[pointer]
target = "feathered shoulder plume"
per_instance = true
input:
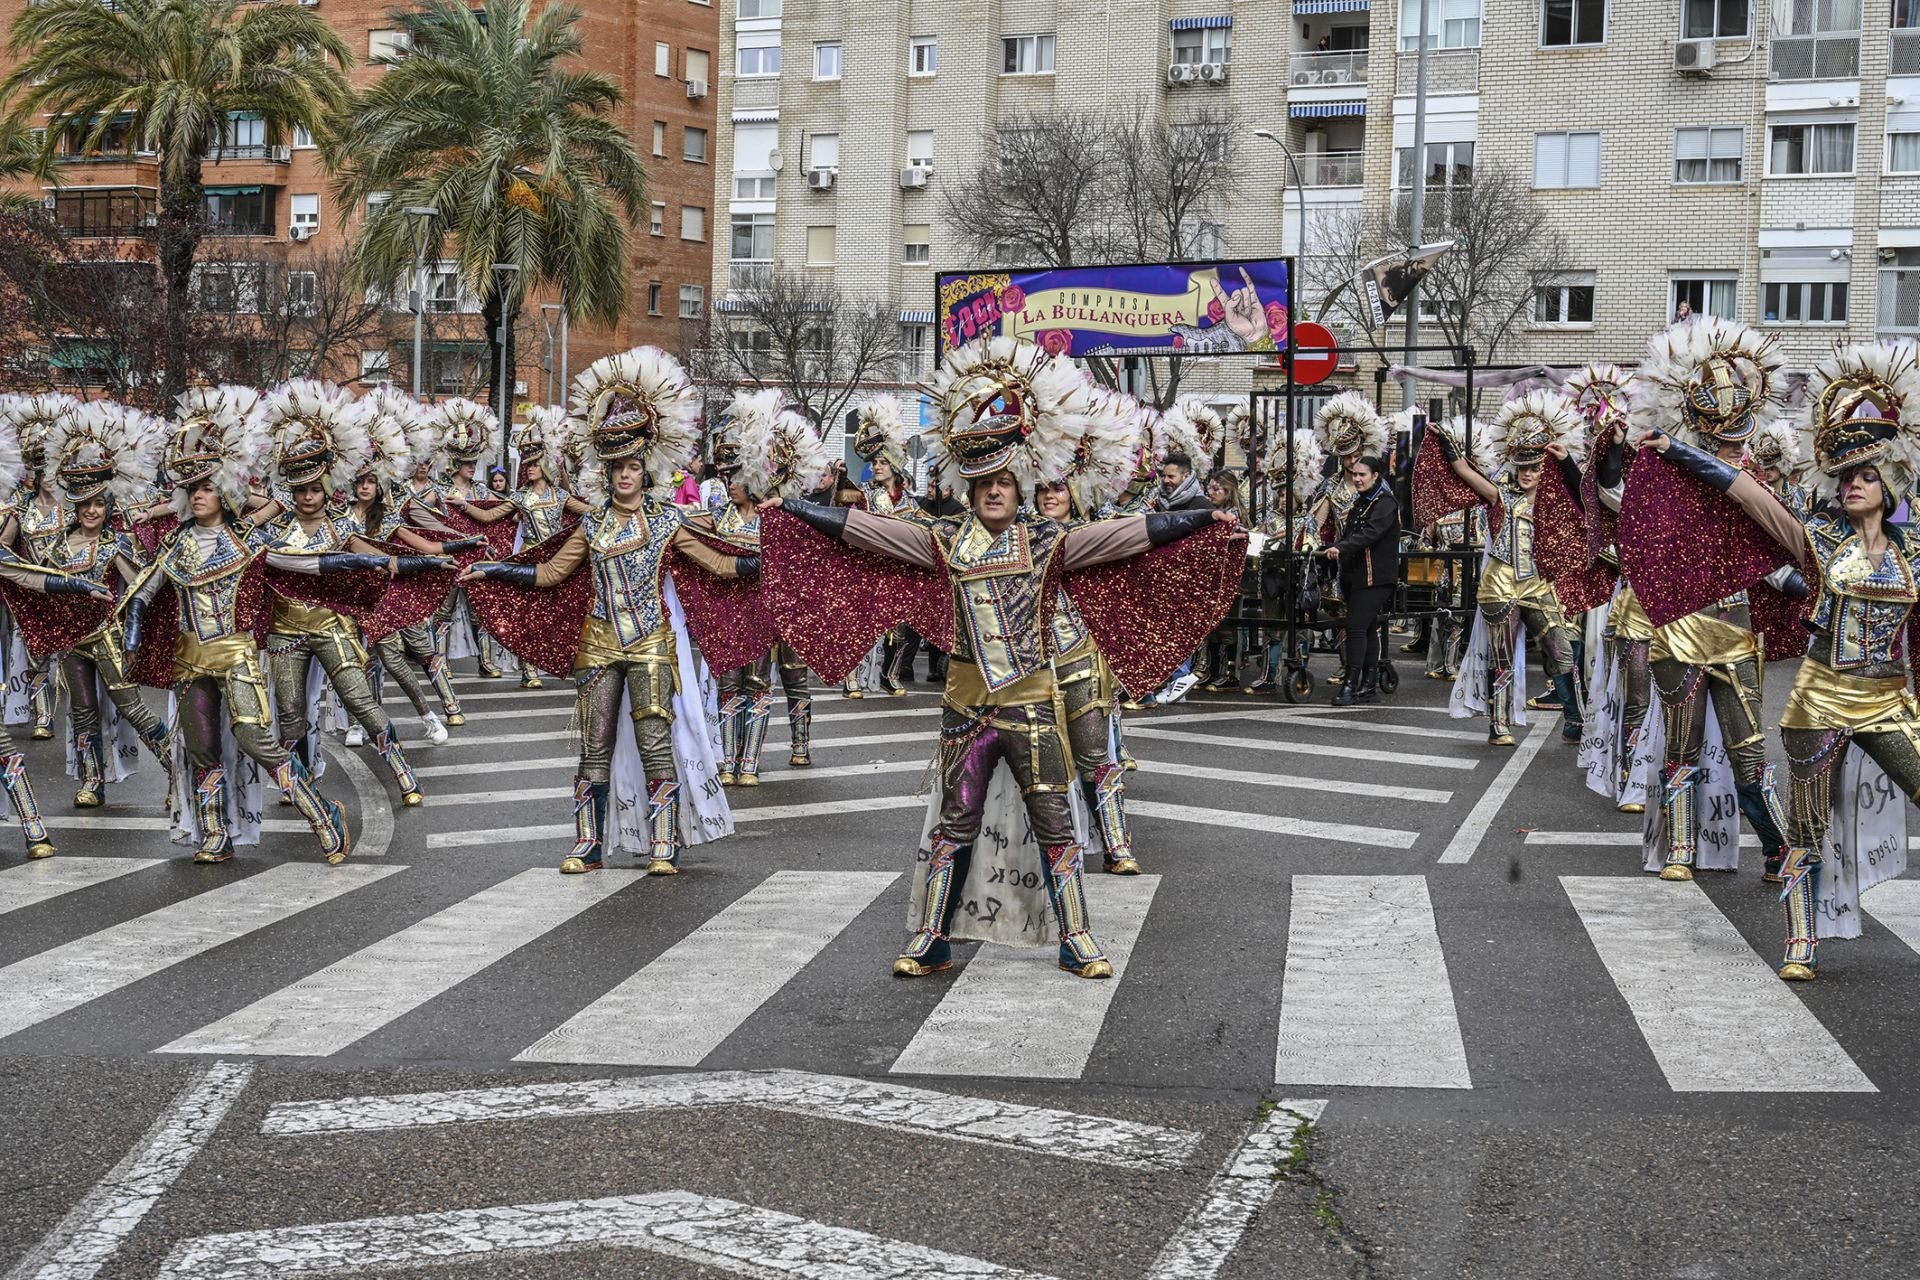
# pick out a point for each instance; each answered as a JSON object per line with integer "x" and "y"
{"x": 1864, "y": 406}
{"x": 637, "y": 404}
{"x": 318, "y": 431}
{"x": 781, "y": 455}
{"x": 1004, "y": 404}
{"x": 1348, "y": 424}
{"x": 1484, "y": 455}
{"x": 1528, "y": 423}
{"x": 879, "y": 434}
{"x": 218, "y": 437}
{"x": 393, "y": 421}
{"x": 1707, "y": 380}
{"x": 1107, "y": 450}
{"x": 1240, "y": 426}
{"x": 1601, "y": 393}
{"x": 13, "y": 466}
{"x": 466, "y": 431}
{"x": 104, "y": 447}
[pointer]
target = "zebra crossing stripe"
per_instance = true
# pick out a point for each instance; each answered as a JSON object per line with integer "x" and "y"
{"x": 115, "y": 822}
{"x": 569, "y": 763}
{"x": 760, "y": 813}
{"x": 1712, "y": 1011}
{"x": 1365, "y": 998}
{"x": 329, "y": 1010}
{"x": 1235, "y": 1197}
{"x": 1293, "y": 782}
{"x": 1294, "y": 719}
{"x": 466, "y": 739}
{"x": 1632, "y": 839}
{"x": 1896, "y": 904}
{"x": 1012, "y": 1012}
{"x": 1378, "y": 837}
{"x": 703, "y": 1230}
{"x": 678, "y": 1009}
{"x": 52, "y": 982}
{"x": 1471, "y": 832}
{"x": 36, "y": 882}
{"x": 880, "y": 1104}
{"x": 767, "y": 778}
{"x": 1317, "y": 750}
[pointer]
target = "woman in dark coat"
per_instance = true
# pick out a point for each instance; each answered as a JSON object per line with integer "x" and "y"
{"x": 1368, "y": 550}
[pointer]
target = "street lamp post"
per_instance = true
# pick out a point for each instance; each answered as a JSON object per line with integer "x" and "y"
{"x": 1299, "y": 183}
{"x": 503, "y": 273}
{"x": 419, "y": 230}
{"x": 1293, "y": 283}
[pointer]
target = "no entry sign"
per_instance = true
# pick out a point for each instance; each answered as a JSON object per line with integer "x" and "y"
{"x": 1315, "y": 353}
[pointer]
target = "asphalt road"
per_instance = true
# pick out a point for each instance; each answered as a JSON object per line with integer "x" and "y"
{"x": 1497, "y": 1048}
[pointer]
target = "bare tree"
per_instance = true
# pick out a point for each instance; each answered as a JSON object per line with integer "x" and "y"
{"x": 800, "y": 333}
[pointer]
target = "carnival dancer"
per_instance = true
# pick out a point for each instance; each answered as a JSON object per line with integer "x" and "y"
{"x": 768, "y": 451}
{"x": 641, "y": 416}
{"x": 466, "y": 431}
{"x": 319, "y": 443}
{"x": 33, "y": 524}
{"x": 1514, "y": 594}
{"x": 1291, "y": 531}
{"x": 880, "y": 440}
{"x": 1006, "y": 419}
{"x": 208, "y": 580}
{"x": 1710, "y": 384}
{"x": 1349, "y": 427}
{"x": 1774, "y": 459}
{"x": 1851, "y": 696}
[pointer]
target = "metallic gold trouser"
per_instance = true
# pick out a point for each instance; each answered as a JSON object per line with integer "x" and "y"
{"x": 1546, "y": 627}
{"x": 393, "y": 652}
{"x": 98, "y": 654}
{"x": 1086, "y": 691}
{"x": 1636, "y": 686}
{"x": 345, "y": 663}
{"x": 1732, "y": 691}
{"x": 650, "y": 687}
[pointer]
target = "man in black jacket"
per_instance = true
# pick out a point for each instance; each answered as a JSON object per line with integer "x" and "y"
{"x": 1369, "y": 554}
{"x": 1179, "y": 491}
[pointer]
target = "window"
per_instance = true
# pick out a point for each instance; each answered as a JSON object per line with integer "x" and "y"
{"x": 1903, "y": 153}
{"x": 239, "y": 211}
{"x": 821, "y": 245}
{"x": 1906, "y": 14}
{"x": 916, "y": 246}
{"x": 826, "y": 61}
{"x": 916, "y": 350}
{"x": 216, "y": 288}
{"x": 662, "y": 59}
{"x": 760, "y": 8}
{"x": 1566, "y": 299}
{"x": 1714, "y": 19}
{"x": 923, "y": 54}
{"x": 1451, "y": 24}
{"x": 660, "y": 137}
{"x": 1800, "y": 150}
{"x": 699, "y": 66}
{"x": 1201, "y": 239}
{"x": 378, "y": 200}
{"x": 1803, "y": 302}
{"x": 920, "y": 148}
{"x": 693, "y": 297}
{"x": 302, "y": 138}
{"x": 764, "y": 61}
{"x": 1027, "y": 55}
{"x": 388, "y": 44}
{"x": 1705, "y": 295}
{"x": 1564, "y": 23}
{"x": 374, "y": 365}
{"x": 456, "y": 368}
{"x": 244, "y": 134}
{"x": 657, "y": 221}
{"x": 444, "y": 294}
{"x": 823, "y": 151}
{"x": 1566, "y": 160}
{"x": 693, "y": 145}
{"x": 752, "y": 238}
{"x": 303, "y": 293}
{"x": 1900, "y": 293}
{"x": 1449, "y": 164}
{"x": 1815, "y": 40}
{"x": 304, "y": 211}
{"x": 760, "y": 188}
{"x": 693, "y": 222}
{"x": 1214, "y": 44}
{"x": 1709, "y": 155}
{"x": 653, "y": 297}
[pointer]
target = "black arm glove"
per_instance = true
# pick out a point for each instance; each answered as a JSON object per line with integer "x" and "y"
{"x": 462, "y": 544}
{"x": 1171, "y": 526}
{"x": 1789, "y": 582}
{"x": 418, "y": 564}
{"x": 520, "y": 575}
{"x": 1613, "y": 465}
{"x": 831, "y": 521}
{"x": 343, "y": 561}
{"x": 747, "y": 567}
{"x": 136, "y": 612}
{"x": 1705, "y": 466}
{"x": 68, "y": 586}
{"x": 1570, "y": 472}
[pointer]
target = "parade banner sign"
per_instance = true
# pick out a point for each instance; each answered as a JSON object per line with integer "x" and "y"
{"x": 1169, "y": 308}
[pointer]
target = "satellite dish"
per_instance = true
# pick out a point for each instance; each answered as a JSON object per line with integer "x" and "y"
{"x": 775, "y": 160}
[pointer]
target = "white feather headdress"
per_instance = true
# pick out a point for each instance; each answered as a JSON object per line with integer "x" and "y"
{"x": 781, "y": 455}
{"x": 1678, "y": 371}
{"x": 1348, "y": 424}
{"x": 1601, "y": 393}
{"x": 396, "y": 433}
{"x": 34, "y": 418}
{"x": 465, "y": 431}
{"x": 1239, "y": 426}
{"x": 542, "y": 421}
{"x": 879, "y": 434}
{"x": 1308, "y": 461}
{"x": 565, "y": 450}
{"x": 13, "y": 466}
{"x": 1864, "y": 405}
{"x": 1107, "y": 451}
{"x": 1484, "y": 455}
{"x": 1003, "y": 404}
{"x": 1192, "y": 428}
{"x": 1527, "y": 424}
{"x": 636, "y": 404}
{"x": 219, "y": 436}
{"x": 318, "y": 431}
{"x": 105, "y": 446}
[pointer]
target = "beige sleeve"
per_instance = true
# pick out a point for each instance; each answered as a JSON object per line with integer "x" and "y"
{"x": 1775, "y": 520}
{"x": 718, "y": 563}
{"x": 1104, "y": 541}
{"x": 571, "y": 555}
{"x": 891, "y": 537}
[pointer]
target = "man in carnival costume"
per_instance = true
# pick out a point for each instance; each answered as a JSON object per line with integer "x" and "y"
{"x": 34, "y": 521}
{"x": 766, "y": 451}
{"x": 1290, "y": 528}
{"x": 466, "y": 431}
{"x": 320, "y": 441}
{"x": 1710, "y": 384}
{"x": 618, "y": 626}
{"x": 1349, "y": 427}
{"x": 207, "y": 589}
{"x": 1008, "y": 416}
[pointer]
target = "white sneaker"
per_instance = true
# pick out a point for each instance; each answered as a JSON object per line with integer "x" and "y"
{"x": 1178, "y": 689}
{"x": 436, "y": 732}
{"x": 356, "y": 736}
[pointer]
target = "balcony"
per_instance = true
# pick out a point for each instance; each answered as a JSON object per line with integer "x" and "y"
{"x": 251, "y": 151}
{"x": 106, "y": 213}
{"x": 758, "y": 93}
{"x": 1448, "y": 71}
{"x": 1321, "y": 70}
{"x": 238, "y": 228}
{"x": 1833, "y": 56}
{"x": 1334, "y": 169}
{"x": 1903, "y": 52}
{"x": 749, "y": 275}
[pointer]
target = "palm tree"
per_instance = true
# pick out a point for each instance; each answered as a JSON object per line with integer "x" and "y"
{"x": 176, "y": 72}
{"x": 520, "y": 155}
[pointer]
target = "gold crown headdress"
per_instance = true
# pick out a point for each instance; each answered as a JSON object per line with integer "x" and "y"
{"x": 879, "y": 435}
{"x": 1194, "y": 429}
{"x": 104, "y": 447}
{"x": 1001, "y": 404}
{"x": 1864, "y": 405}
{"x": 781, "y": 455}
{"x": 1107, "y": 450}
{"x": 1348, "y": 425}
{"x": 1706, "y": 383}
{"x": 396, "y": 433}
{"x": 636, "y": 404}
{"x": 1601, "y": 393}
{"x": 218, "y": 436}
{"x": 466, "y": 431}
{"x": 318, "y": 431}
{"x": 1528, "y": 423}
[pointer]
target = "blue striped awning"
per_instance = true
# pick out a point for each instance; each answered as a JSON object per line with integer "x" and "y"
{"x": 755, "y": 117}
{"x": 730, "y": 304}
{"x": 916, "y": 317}
{"x": 1331, "y": 6}
{"x": 1199, "y": 24}
{"x": 1322, "y": 110}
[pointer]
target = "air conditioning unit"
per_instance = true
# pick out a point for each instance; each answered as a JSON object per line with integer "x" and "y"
{"x": 696, "y": 88}
{"x": 820, "y": 179}
{"x": 311, "y": 4}
{"x": 1181, "y": 73}
{"x": 1214, "y": 72}
{"x": 1305, "y": 77}
{"x": 1693, "y": 56}
{"x": 301, "y": 232}
{"x": 283, "y": 155}
{"x": 912, "y": 178}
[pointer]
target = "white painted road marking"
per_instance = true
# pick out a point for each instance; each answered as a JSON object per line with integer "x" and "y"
{"x": 1012, "y": 1012}
{"x": 1365, "y": 999}
{"x": 36, "y": 882}
{"x": 677, "y": 1010}
{"x": 1296, "y": 719}
{"x": 1293, "y": 782}
{"x": 114, "y": 822}
{"x": 878, "y": 1104}
{"x": 1896, "y": 904}
{"x": 1347, "y": 833}
{"x": 92, "y": 1232}
{"x": 1474, "y": 829}
{"x": 1631, "y": 839}
{"x": 759, "y": 813}
{"x": 1713, "y": 1012}
{"x": 767, "y": 778}
{"x": 1406, "y": 759}
{"x": 50, "y": 983}
{"x": 723, "y": 1234}
{"x": 1235, "y": 1196}
{"x": 352, "y": 998}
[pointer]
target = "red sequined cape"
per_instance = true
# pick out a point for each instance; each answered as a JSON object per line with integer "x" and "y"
{"x": 49, "y": 624}
{"x": 1561, "y": 546}
{"x": 1437, "y": 491}
{"x": 1685, "y": 544}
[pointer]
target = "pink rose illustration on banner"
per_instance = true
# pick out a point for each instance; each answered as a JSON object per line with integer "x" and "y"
{"x": 1216, "y": 312}
{"x": 1056, "y": 342}
{"x": 1012, "y": 300}
{"x": 1277, "y": 321}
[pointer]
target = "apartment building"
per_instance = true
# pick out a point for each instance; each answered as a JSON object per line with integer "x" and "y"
{"x": 270, "y": 208}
